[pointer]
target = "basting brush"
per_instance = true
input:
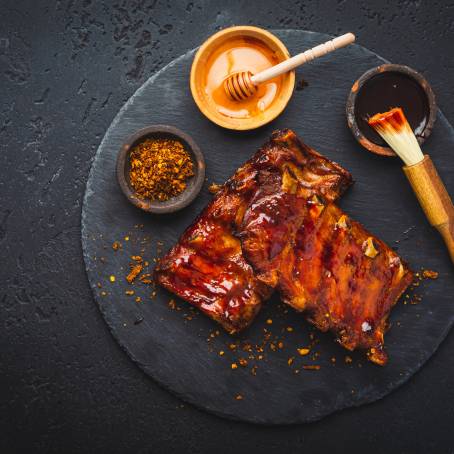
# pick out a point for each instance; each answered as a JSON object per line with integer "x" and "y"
{"x": 393, "y": 127}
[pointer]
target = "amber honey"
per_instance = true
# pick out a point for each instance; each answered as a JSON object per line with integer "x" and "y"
{"x": 235, "y": 55}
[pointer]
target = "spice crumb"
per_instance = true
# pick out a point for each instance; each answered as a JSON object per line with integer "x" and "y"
{"x": 269, "y": 322}
{"x": 116, "y": 245}
{"x": 243, "y": 362}
{"x": 112, "y": 278}
{"x": 239, "y": 397}
{"x": 311, "y": 367}
{"x": 135, "y": 271}
{"x": 221, "y": 353}
{"x": 289, "y": 329}
{"x": 138, "y": 299}
{"x": 290, "y": 360}
{"x": 430, "y": 274}
{"x": 213, "y": 188}
{"x": 303, "y": 351}
{"x": 234, "y": 366}
{"x": 129, "y": 292}
{"x": 348, "y": 359}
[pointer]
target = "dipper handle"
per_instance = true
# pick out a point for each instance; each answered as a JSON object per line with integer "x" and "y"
{"x": 433, "y": 198}
{"x": 304, "y": 57}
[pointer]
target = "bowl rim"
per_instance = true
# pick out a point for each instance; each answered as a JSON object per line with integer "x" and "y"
{"x": 175, "y": 203}
{"x": 356, "y": 88}
{"x": 286, "y": 90}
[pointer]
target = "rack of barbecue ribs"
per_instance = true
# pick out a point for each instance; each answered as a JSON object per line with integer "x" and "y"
{"x": 274, "y": 225}
{"x": 343, "y": 278}
{"x": 207, "y": 267}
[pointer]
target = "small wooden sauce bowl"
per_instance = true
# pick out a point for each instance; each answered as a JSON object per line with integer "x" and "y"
{"x": 198, "y": 74}
{"x": 193, "y": 184}
{"x": 383, "y": 88}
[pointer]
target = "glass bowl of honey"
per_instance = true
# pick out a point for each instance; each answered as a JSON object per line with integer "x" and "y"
{"x": 232, "y": 50}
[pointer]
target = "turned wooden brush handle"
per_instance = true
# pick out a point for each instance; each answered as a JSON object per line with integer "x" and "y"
{"x": 304, "y": 57}
{"x": 434, "y": 199}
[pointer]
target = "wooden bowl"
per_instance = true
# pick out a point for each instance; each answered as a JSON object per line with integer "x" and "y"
{"x": 198, "y": 76}
{"x": 355, "y": 93}
{"x": 194, "y": 184}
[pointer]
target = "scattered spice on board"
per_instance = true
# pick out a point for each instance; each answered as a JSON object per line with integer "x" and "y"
{"x": 159, "y": 169}
{"x": 146, "y": 278}
{"x": 135, "y": 271}
{"x": 214, "y": 187}
{"x": 429, "y": 274}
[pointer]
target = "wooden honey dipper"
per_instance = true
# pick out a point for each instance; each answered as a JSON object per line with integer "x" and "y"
{"x": 241, "y": 85}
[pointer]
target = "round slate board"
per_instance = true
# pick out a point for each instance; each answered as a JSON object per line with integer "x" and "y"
{"x": 174, "y": 350}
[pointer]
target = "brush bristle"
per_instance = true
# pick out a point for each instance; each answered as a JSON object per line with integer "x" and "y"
{"x": 393, "y": 127}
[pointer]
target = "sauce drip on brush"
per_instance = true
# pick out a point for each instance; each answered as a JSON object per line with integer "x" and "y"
{"x": 432, "y": 195}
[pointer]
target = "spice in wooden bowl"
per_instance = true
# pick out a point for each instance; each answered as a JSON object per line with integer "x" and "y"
{"x": 159, "y": 168}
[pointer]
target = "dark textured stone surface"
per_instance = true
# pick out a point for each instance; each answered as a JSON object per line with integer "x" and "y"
{"x": 173, "y": 351}
{"x": 66, "y": 69}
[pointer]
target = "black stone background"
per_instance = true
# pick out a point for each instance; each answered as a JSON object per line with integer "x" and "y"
{"x": 66, "y": 67}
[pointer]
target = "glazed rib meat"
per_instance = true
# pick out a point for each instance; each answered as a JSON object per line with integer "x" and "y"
{"x": 344, "y": 279}
{"x": 323, "y": 263}
{"x": 207, "y": 267}
{"x": 278, "y": 206}
{"x": 274, "y": 225}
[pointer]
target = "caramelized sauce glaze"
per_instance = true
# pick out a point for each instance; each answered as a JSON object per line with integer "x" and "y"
{"x": 274, "y": 225}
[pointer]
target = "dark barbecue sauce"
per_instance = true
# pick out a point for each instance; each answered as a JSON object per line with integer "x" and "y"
{"x": 385, "y": 91}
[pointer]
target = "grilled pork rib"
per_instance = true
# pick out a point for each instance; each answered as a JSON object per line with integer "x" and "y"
{"x": 207, "y": 267}
{"x": 274, "y": 225}
{"x": 344, "y": 279}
